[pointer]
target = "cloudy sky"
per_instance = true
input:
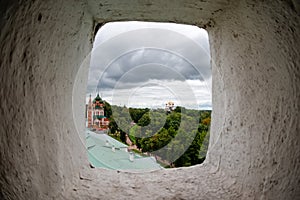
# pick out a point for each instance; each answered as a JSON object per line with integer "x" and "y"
{"x": 145, "y": 64}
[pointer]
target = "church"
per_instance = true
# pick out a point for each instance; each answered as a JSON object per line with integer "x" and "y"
{"x": 95, "y": 114}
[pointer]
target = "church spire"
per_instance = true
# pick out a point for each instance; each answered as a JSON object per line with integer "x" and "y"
{"x": 90, "y": 101}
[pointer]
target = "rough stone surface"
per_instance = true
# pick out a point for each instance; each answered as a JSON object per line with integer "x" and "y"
{"x": 254, "y": 147}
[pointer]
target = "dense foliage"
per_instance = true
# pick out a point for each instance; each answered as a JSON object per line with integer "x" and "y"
{"x": 179, "y": 138}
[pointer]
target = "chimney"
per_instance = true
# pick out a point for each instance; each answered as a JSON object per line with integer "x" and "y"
{"x": 131, "y": 156}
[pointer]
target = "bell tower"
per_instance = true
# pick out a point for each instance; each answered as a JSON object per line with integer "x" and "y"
{"x": 90, "y": 113}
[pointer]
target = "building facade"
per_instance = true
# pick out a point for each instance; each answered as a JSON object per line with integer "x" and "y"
{"x": 169, "y": 107}
{"x": 96, "y": 119}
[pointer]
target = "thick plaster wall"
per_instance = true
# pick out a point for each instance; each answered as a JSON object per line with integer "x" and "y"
{"x": 253, "y": 152}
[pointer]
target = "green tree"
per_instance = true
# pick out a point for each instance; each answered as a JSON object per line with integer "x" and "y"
{"x": 137, "y": 113}
{"x": 155, "y": 130}
{"x": 107, "y": 109}
{"x": 144, "y": 120}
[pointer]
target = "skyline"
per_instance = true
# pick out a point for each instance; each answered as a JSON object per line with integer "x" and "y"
{"x": 145, "y": 64}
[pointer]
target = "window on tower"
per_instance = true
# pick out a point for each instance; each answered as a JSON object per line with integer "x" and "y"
{"x": 148, "y": 96}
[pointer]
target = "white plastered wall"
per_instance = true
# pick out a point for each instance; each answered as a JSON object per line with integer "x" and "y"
{"x": 254, "y": 144}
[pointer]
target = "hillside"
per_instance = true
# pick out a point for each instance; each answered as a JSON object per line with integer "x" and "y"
{"x": 179, "y": 138}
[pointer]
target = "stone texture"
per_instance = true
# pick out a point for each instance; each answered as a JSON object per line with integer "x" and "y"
{"x": 254, "y": 146}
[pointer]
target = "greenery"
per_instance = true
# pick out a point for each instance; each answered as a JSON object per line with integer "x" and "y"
{"x": 181, "y": 138}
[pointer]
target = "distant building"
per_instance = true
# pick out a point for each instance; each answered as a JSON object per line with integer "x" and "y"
{"x": 95, "y": 114}
{"x": 169, "y": 107}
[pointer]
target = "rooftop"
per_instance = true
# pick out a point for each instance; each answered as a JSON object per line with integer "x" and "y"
{"x": 101, "y": 154}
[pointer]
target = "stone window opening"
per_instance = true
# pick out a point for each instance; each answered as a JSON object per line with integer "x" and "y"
{"x": 186, "y": 81}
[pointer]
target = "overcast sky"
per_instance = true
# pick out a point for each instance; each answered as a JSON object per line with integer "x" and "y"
{"x": 144, "y": 64}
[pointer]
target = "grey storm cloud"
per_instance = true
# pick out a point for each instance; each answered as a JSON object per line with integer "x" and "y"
{"x": 139, "y": 66}
{"x": 174, "y": 59}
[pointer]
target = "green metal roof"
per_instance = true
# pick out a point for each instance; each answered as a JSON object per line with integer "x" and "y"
{"x": 100, "y": 139}
{"x": 98, "y": 98}
{"x": 99, "y": 116}
{"x": 100, "y": 154}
